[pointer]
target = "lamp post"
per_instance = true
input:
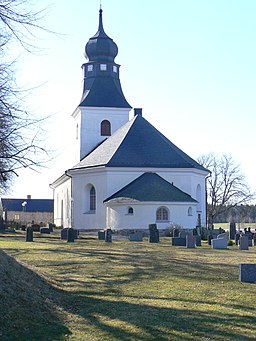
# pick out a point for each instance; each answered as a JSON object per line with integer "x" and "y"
{"x": 24, "y": 204}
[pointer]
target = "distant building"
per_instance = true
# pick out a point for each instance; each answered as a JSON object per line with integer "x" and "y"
{"x": 26, "y": 211}
{"x": 126, "y": 174}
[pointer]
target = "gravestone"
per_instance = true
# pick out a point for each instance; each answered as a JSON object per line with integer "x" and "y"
{"x": 237, "y": 238}
{"x": 247, "y": 273}
{"x": 198, "y": 241}
{"x": 219, "y": 243}
{"x": 29, "y": 234}
{"x": 177, "y": 241}
{"x": 209, "y": 239}
{"x": 45, "y": 230}
{"x": 153, "y": 233}
{"x": 101, "y": 235}
{"x": 190, "y": 241}
{"x": 223, "y": 236}
{"x": 50, "y": 226}
{"x": 64, "y": 234}
{"x": 244, "y": 243}
{"x": 108, "y": 236}
{"x": 70, "y": 235}
{"x": 136, "y": 236}
{"x": 232, "y": 231}
{"x": 35, "y": 227}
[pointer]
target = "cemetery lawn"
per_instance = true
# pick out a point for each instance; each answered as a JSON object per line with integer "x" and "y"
{"x": 92, "y": 290}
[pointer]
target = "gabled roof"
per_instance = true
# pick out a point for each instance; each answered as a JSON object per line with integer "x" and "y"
{"x": 33, "y": 205}
{"x": 151, "y": 187}
{"x": 138, "y": 144}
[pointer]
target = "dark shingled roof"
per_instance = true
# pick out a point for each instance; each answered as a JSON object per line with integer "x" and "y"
{"x": 104, "y": 92}
{"x": 151, "y": 187}
{"x": 138, "y": 144}
{"x": 33, "y": 205}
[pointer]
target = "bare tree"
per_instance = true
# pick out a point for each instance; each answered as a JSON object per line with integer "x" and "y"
{"x": 226, "y": 186}
{"x": 18, "y": 129}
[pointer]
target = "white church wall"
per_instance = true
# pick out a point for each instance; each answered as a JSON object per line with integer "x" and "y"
{"x": 62, "y": 204}
{"x": 84, "y": 218}
{"x": 87, "y": 125}
{"x": 108, "y": 181}
{"x": 144, "y": 214}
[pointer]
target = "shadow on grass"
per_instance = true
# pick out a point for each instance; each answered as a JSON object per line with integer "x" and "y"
{"x": 29, "y": 305}
{"x": 109, "y": 313}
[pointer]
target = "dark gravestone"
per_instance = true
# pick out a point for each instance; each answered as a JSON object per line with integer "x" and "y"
{"x": 177, "y": 241}
{"x": 247, "y": 273}
{"x": 153, "y": 233}
{"x": 183, "y": 234}
{"x": 136, "y": 236}
{"x": 237, "y": 238}
{"x": 232, "y": 231}
{"x": 50, "y": 226}
{"x": 45, "y": 230}
{"x": 36, "y": 227}
{"x": 23, "y": 227}
{"x": 244, "y": 243}
{"x": 64, "y": 234}
{"x": 70, "y": 235}
{"x": 209, "y": 238}
{"x": 29, "y": 234}
{"x": 190, "y": 241}
{"x": 101, "y": 235}
{"x": 108, "y": 236}
{"x": 198, "y": 241}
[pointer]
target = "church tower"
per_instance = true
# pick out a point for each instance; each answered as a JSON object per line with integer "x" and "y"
{"x": 103, "y": 108}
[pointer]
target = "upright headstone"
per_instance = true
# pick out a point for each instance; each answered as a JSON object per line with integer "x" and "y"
{"x": 244, "y": 243}
{"x": 29, "y": 234}
{"x": 237, "y": 237}
{"x": 101, "y": 235}
{"x": 190, "y": 241}
{"x": 136, "y": 236}
{"x": 153, "y": 233}
{"x": 198, "y": 241}
{"x": 70, "y": 235}
{"x": 64, "y": 234}
{"x": 209, "y": 238}
{"x": 175, "y": 232}
{"x": 232, "y": 231}
{"x": 247, "y": 273}
{"x": 108, "y": 236}
{"x": 177, "y": 241}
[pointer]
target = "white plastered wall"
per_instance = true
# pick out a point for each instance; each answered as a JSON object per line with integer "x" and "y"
{"x": 144, "y": 213}
{"x": 87, "y": 125}
{"x": 63, "y": 203}
{"x": 107, "y": 181}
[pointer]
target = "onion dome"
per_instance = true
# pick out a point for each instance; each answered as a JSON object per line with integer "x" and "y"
{"x": 101, "y": 48}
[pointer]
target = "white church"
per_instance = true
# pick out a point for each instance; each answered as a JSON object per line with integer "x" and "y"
{"x": 126, "y": 174}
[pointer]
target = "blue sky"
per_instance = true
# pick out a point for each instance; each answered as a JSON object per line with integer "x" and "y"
{"x": 190, "y": 64}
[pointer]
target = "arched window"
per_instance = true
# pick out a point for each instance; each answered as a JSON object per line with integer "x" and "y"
{"x": 105, "y": 128}
{"x": 92, "y": 199}
{"x": 190, "y": 211}
{"x": 130, "y": 210}
{"x": 162, "y": 214}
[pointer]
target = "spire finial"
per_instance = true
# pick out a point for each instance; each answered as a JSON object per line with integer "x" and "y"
{"x": 100, "y": 5}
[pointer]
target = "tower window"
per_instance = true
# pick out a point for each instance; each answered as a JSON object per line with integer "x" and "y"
{"x": 105, "y": 128}
{"x": 114, "y": 68}
{"x": 103, "y": 67}
{"x": 89, "y": 67}
{"x": 162, "y": 214}
{"x": 190, "y": 211}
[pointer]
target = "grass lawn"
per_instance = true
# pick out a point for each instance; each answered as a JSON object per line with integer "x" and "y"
{"x": 92, "y": 290}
